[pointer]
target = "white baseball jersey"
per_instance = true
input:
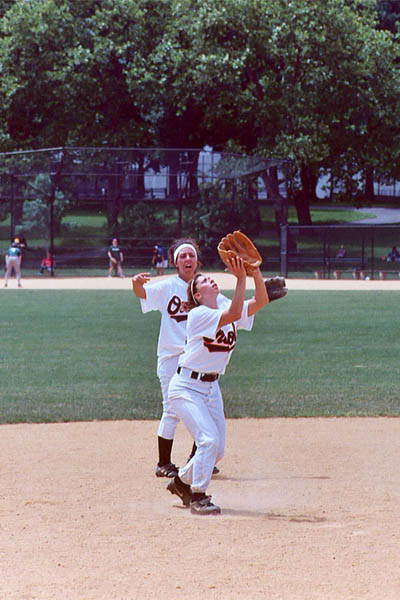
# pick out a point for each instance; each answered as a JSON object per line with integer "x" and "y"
{"x": 208, "y": 350}
{"x": 167, "y": 296}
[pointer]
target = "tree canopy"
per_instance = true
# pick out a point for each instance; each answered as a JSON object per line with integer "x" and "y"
{"x": 315, "y": 82}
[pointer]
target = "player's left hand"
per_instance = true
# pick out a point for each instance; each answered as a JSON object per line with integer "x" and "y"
{"x": 276, "y": 288}
{"x": 236, "y": 266}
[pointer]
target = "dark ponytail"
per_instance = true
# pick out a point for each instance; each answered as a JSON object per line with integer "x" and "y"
{"x": 191, "y": 301}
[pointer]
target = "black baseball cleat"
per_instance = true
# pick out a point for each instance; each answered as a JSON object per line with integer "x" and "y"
{"x": 177, "y": 487}
{"x": 168, "y": 470}
{"x": 204, "y": 506}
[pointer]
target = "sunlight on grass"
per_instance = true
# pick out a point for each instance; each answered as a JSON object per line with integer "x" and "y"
{"x": 319, "y": 216}
{"x": 309, "y": 354}
{"x": 86, "y": 220}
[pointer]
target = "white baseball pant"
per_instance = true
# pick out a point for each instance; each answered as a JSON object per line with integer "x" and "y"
{"x": 166, "y": 368}
{"x": 13, "y": 263}
{"x": 200, "y": 407}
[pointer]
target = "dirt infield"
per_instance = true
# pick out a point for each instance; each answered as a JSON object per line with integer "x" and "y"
{"x": 224, "y": 280}
{"x": 309, "y": 510}
{"x": 309, "y": 507}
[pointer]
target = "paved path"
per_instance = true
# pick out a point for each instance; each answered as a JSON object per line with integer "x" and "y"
{"x": 383, "y": 216}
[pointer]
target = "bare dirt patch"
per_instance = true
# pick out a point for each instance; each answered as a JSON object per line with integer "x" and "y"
{"x": 224, "y": 280}
{"x": 309, "y": 510}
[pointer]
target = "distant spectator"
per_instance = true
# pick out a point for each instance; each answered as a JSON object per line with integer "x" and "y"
{"x": 159, "y": 260}
{"x": 116, "y": 257}
{"x": 392, "y": 256}
{"x": 13, "y": 262}
{"x": 154, "y": 256}
{"x": 45, "y": 265}
{"x": 341, "y": 253}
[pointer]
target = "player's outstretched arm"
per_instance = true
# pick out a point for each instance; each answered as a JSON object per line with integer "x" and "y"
{"x": 234, "y": 312}
{"x": 260, "y": 297}
{"x": 138, "y": 282}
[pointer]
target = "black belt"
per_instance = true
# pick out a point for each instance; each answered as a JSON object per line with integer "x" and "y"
{"x": 201, "y": 376}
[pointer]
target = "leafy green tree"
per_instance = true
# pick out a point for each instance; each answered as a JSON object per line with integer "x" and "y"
{"x": 36, "y": 210}
{"x": 141, "y": 220}
{"x": 219, "y": 207}
{"x": 315, "y": 82}
{"x": 63, "y": 74}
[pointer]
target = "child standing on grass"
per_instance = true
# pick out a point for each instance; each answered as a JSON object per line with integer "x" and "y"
{"x": 194, "y": 392}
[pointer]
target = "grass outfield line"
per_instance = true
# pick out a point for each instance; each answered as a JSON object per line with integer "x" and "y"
{"x": 84, "y": 355}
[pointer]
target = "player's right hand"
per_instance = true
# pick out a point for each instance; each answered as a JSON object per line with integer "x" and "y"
{"x": 141, "y": 278}
{"x": 138, "y": 282}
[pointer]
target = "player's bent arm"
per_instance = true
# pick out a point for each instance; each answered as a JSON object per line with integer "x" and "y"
{"x": 138, "y": 282}
{"x": 260, "y": 297}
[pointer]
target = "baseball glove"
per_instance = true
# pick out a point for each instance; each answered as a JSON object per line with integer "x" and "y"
{"x": 238, "y": 244}
{"x": 276, "y": 288}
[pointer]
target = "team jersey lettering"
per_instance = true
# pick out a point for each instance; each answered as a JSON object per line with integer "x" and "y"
{"x": 222, "y": 342}
{"x": 174, "y": 307}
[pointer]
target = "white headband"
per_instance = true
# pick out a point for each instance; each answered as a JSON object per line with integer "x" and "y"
{"x": 192, "y": 293}
{"x": 179, "y": 248}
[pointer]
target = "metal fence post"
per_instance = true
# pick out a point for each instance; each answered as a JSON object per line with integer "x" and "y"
{"x": 284, "y": 256}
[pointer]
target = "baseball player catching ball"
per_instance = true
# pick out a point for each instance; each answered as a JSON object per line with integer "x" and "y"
{"x": 167, "y": 296}
{"x": 194, "y": 392}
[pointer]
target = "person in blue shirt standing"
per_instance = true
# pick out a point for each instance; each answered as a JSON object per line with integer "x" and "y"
{"x": 159, "y": 260}
{"x": 13, "y": 261}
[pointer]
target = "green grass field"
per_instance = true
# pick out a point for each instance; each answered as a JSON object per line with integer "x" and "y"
{"x": 86, "y": 355}
{"x": 320, "y": 216}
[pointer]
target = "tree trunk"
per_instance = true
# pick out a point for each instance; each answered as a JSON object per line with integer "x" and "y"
{"x": 306, "y": 195}
{"x": 193, "y": 184}
{"x": 279, "y": 203}
{"x": 55, "y": 179}
{"x": 369, "y": 185}
{"x": 173, "y": 164}
{"x": 252, "y": 205}
{"x": 114, "y": 203}
{"x": 140, "y": 186}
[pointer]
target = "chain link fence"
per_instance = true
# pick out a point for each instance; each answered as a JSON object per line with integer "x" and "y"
{"x": 358, "y": 251}
{"x": 39, "y": 187}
